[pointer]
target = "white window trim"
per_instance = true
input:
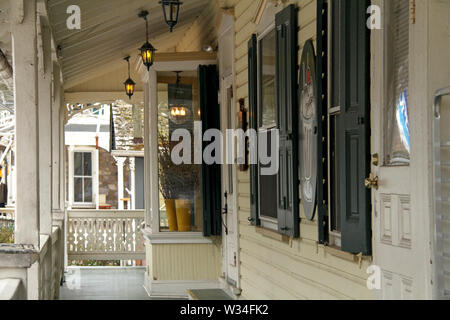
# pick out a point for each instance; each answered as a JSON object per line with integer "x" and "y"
{"x": 95, "y": 177}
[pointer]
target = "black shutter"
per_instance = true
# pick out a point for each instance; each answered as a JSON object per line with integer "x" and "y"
{"x": 286, "y": 85}
{"x": 353, "y": 128}
{"x": 211, "y": 175}
{"x": 322, "y": 96}
{"x": 253, "y": 107}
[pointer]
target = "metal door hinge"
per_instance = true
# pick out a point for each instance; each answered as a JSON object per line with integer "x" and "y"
{"x": 375, "y": 159}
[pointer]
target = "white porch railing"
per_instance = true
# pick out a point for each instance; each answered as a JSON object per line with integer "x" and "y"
{"x": 105, "y": 235}
{"x": 32, "y": 273}
{"x": 7, "y": 213}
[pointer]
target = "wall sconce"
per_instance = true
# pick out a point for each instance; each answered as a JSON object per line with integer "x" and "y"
{"x": 178, "y": 112}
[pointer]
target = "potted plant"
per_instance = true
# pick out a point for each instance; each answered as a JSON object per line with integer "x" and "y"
{"x": 177, "y": 184}
{"x": 187, "y": 175}
{"x": 167, "y": 181}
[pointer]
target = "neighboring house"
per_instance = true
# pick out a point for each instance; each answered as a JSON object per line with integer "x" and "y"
{"x": 92, "y": 170}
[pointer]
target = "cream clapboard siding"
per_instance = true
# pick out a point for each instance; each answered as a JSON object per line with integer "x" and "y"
{"x": 184, "y": 261}
{"x": 204, "y": 30}
{"x": 299, "y": 268}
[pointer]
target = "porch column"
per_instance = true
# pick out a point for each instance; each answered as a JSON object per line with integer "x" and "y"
{"x": 56, "y": 161}
{"x": 120, "y": 161}
{"x": 62, "y": 153}
{"x": 147, "y": 185}
{"x": 10, "y": 180}
{"x": 132, "y": 161}
{"x": 24, "y": 46}
{"x": 70, "y": 174}
{"x": 152, "y": 122}
{"x": 45, "y": 128}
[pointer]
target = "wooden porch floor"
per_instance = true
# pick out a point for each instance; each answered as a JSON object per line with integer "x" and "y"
{"x": 104, "y": 283}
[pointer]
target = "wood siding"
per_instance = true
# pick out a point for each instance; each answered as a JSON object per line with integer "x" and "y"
{"x": 287, "y": 268}
{"x": 204, "y": 30}
{"x": 183, "y": 261}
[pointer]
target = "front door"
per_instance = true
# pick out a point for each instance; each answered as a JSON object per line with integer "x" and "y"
{"x": 395, "y": 244}
{"x": 229, "y": 212}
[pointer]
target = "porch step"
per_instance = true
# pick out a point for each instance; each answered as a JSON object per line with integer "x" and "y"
{"x": 208, "y": 294}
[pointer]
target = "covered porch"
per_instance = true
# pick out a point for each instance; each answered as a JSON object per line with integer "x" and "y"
{"x": 51, "y": 70}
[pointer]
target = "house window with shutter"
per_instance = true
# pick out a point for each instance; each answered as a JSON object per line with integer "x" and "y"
{"x": 273, "y": 113}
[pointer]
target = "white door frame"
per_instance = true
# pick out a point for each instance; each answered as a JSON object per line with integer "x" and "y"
{"x": 227, "y": 81}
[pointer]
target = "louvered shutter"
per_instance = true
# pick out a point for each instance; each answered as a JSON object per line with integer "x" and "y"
{"x": 211, "y": 174}
{"x": 286, "y": 85}
{"x": 353, "y": 128}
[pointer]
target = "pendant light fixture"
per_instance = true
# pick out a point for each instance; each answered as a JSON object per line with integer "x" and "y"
{"x": 147, "y": 50}
{"x": 171, "y": 10}
{"x": 178, "y": 112}
{"x": 129, "y": 84}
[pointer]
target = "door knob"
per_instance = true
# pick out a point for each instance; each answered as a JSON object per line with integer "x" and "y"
{"x": 371, "y": 182}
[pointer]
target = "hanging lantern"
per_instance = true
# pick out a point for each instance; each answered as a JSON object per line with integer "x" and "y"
{"x": 129, "y": 84}
{"x": 147, "y": 50}
{"x": 178, "y": 112}
{"x": 171, "y": 9}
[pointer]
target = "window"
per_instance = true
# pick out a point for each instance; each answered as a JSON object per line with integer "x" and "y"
{"x": 82, "y": 177}
{"x": 397, "y": 141}
{"x": 267, "y": 122}
{"x": 267, "y": 80}
{"x": 180, "y": 196}
{"x": 333, "y": 111}
{"x": 273, "y": 96}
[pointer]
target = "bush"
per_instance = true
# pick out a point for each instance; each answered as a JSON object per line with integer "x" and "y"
{"x": 6, "y": 234}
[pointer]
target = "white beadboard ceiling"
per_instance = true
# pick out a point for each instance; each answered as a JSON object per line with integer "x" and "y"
{"x": 110, "y": 30}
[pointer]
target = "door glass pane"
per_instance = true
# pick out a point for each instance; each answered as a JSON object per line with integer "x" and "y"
{"x": 267, "y": 79}
{"x": 87, "y": 164}
{"x": 180, "y": 197}
{"x": 87, "y": 189}
{"x": 78, "y": 161}
{"x": 397, "y": 140}
{"x": 78, "y": 190}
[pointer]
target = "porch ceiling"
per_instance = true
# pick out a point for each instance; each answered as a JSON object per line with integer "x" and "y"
{"x": 110, "y": 30}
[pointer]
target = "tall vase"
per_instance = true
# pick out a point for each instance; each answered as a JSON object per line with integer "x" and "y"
{"x": 184, "y": 214}
{"x": 171, "y": 214}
